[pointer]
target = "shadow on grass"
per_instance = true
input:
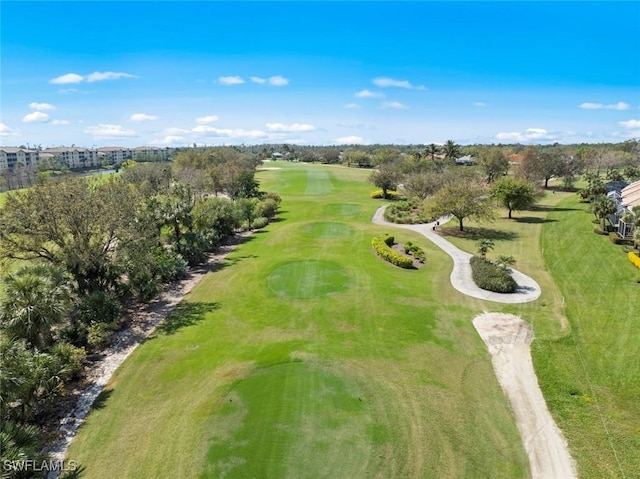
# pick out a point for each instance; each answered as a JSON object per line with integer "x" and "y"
{"x": 479, "y": 233}
{"x": 186, "y": 314}
{"x": 552, "y": 208}
{"x": 533, "y": 220}
{"x": 101, "y": 401}
{"x": 76, "y": 473}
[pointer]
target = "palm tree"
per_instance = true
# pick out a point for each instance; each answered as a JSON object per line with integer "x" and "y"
{"x": 602, "y": 207}
{"x": 433, "y": 150}
{"x": 451, "y": 150}
{"x": 36, "y": 299}
{"x": 505, "y": 262}
{"x": 484, "y": 245}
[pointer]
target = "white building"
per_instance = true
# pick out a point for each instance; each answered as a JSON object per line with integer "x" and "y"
{"x": 75, "y": 157}
{"x": 10, "y": 157}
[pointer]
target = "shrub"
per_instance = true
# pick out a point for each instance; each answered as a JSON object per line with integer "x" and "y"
{"x": 391, "y": 195}
{"x": 406, "y": 212}
{"x": 70, "y": 358}
{"x": 382, "y": 247}
{"x": 599, "y": 231}
{"x": 100, "y": 333}
{"x": 634, "y": 258}
{"x": 260, "y": 222}
{"x": 170, "y": 266}
{"x": 490, "y": 277}
{"x": 98, "y": 307}
{"x": 267, "y": 208}
{"x": 415, "y": 250}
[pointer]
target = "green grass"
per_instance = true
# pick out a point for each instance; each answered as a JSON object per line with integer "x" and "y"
{"x": 588, "y": 364}
{"x": 372, "y": 371}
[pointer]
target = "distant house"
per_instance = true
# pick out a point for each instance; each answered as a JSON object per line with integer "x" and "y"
{"x": 11, "y": 157}
{"x": 276, "y": 155}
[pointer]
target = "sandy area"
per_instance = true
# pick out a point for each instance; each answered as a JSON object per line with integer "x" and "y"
{"x": 508, "y": 339}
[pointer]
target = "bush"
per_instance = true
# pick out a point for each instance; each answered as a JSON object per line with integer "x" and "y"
{"x": 260, "y": 222}
{"x": 170, "y": 266}
{"x": 415, "y": 250}
{"x": 267, "y": 208}
{"x": 599, "y": 231}
{"x": 98, "y": 307}
{"x": 391, "y": 195}
{"x": 634, "y": 258}
{"x": 490, "y": 277}
{"x": 100, "y": 333}
{"x": 406, "y": 212}
{"x": 70, "y": 357}
{"x": 381, "y": 245}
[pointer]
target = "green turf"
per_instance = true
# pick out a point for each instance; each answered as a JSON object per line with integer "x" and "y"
{"x": 384, "y": 376}
{"x": 326, "y": 229}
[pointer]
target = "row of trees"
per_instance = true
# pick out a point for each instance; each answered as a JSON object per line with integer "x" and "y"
{"x": 79, "y": 249}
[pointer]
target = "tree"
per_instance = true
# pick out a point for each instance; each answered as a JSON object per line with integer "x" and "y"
{"x": 360, "y": 158}
{"x": 423, "y": 185}
{"x": 515, "y": 195}
{"x": 433, "y": 150}
{"x": 36, "y": 299}
{"x": 602, "y": 207}
{"x": 385, "y": 177}
{"x": 484, "y": 246}
{"x": 385, "y": 156}
{"x": 463, "y": 199}
{"x": 451, "y": 151}
{"x": 494, "y": 163}
{"x": 76, "y": 223}
{"x": 505, "y": 262}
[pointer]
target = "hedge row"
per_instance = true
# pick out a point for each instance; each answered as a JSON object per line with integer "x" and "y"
{"x": 382, "y": 246}
{"x": 488, "y": 276}
{"x": 415, "y": 250}
{"x": 378, "y": 194}
{"x": 634, "y": 258}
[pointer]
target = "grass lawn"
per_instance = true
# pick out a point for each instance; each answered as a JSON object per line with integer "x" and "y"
{"x": 307, "y": 356}
{"x": 589, "y": 371}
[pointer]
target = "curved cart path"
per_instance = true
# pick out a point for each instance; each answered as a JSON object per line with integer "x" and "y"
{"x": 508, "y": 338}
{"x": 528, "y": 289}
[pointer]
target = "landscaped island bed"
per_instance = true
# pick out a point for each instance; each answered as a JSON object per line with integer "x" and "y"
{"x": 275, "y": 368}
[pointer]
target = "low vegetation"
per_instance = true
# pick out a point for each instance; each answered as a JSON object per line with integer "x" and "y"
{"x": 406, "y": 212}
{"x": 491, "y": 276}
{"x": 382, "y": 246}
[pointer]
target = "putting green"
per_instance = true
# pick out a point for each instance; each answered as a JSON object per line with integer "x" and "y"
{"x": 307, "y": 279}
{"x": 329, "y": 229}
{"x": 288, "y": 419}
{"x": 342, "y": 209}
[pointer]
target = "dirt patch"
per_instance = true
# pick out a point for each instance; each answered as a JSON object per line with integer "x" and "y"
{"x": 508, "y": 339}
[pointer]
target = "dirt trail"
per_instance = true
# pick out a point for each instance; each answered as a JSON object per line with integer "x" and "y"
{"x": 508, "y": 339}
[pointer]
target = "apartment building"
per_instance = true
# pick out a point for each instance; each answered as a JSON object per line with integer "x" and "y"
{"x": 75, "y": 157}
{"x": 10, "y": 157}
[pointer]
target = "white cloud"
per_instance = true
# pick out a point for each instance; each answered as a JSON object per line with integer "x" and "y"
{"x": 109, "y": 131}
{"x": 278, "y": 81}
{"x": 352, "y": 105}
{"x": 142, "y": 117}
{"x": 100, "y": 76}
{"x": 6, "y": 131}
{"x": 36, "y": 116}
{"x": 293, "y": 127}
{"x": 384, "y": 82}
{"x": 203, "y": 120}
{"x": 91, "y": 77}
{"x": 529, "y": 135}
{"x": 172, "y": 131}
{"x": 368, "y": 94}
{"x": 230, "y": 80}
{"x": 601, "y": 106}
{"x": 171, "y": 139}
{"x": 68, "y": 90}
{"x": 479, "y": 104}
{"x": 396, "y": 105}
{"x": 630, "y": 124}
{"x": 41, "y": 106}
{"x": 68, "y": 78}
{"x": 349, "y": 140}
{"x": 59, "y": 122}
{"x": 258, "y": 80}
{"x": 229, "y": 133}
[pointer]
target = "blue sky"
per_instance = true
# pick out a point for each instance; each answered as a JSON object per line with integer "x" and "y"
{"x": 177, "y": 73}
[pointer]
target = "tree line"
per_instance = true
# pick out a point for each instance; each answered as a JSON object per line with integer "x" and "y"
{"x": 76, "y": 251}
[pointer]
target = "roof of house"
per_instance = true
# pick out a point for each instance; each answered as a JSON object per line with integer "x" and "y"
{"x": 12, "y": 149}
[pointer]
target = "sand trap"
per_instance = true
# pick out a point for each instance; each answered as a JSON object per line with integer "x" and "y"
{"x": 508, "y": 338}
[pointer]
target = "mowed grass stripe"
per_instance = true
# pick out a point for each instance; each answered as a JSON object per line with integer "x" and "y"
{"x": 401, "y": 341}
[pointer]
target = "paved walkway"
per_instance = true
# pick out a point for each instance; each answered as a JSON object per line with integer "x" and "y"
{"x": 528, "y": 289}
